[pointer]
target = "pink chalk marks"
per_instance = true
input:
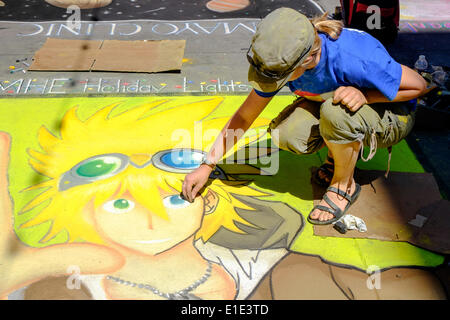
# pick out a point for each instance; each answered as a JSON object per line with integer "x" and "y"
{"x": 227, "y": 5}
{"x": 425, "y": 10}
{"x": 424, "y": 15}
{"x": 418, "y": 26}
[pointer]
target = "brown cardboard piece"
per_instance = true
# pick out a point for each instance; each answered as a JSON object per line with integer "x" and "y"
{"x": 404, "y": 207}
{"x": 140, "y": 56}
{"x": 63, "y": 55}
{"x": 109, "y": 55}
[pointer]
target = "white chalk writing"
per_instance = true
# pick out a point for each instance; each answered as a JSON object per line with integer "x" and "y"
{"x": 61, "y": 86}
{"x": 128, "y": 28}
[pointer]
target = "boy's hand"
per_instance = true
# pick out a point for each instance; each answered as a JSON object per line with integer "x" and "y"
{"x": 194, "y": 181}
{"x": 351, "y": 97}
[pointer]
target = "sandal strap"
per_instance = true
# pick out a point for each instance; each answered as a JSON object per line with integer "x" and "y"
{"x": 327, "y": 167}
{"x": 336, "y": 213}
{"x": 330, "y": 202}
{"x": 327, "y": 171}
{"x": 356, "y": 193}
{"x": 341, "y": 193}
{"x": 330, "y": 160}
{"x": 323, "y": 208}
{"x": 334, "y": 210}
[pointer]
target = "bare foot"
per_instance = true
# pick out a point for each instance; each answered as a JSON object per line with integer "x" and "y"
{"x": 227, "y": 5}
{"x": 339, "y": 200}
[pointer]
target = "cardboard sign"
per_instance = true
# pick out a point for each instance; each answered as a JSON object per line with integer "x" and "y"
{"x": 404, "y": 207}
{"x": 109, "y": 55}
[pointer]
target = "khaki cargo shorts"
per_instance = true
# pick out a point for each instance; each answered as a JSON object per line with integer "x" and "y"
{"x": 302, "y": 126}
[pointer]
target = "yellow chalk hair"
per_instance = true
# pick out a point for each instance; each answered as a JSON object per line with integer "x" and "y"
{"x": 130, "y": 132}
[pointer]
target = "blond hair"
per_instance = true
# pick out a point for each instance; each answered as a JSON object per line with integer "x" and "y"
{"x": 322, "y": 24}
{"x": 130, "y": 132}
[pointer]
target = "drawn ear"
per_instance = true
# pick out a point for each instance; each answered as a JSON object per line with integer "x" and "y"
{"x": 88, "y": 213}
{"x": 211, "y": 200}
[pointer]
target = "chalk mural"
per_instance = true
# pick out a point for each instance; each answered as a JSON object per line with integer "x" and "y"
{"x": 61, "y": 86}
{"x": 425, "y": 10}
{"x": 414, "y": 26}
{"x": 93, "y": 188}
{"x": 414, "y": 17}
{"x": 82, "y": 4}
{"x": 91, "y": 167}
{"x": 201, "y": 28}
{"x": 107, "y": 10}
{"x": 125, "y": 29}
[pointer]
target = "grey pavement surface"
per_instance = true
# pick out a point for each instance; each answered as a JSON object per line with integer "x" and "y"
{"x": 215, "y": 50}
{"x": 215, "y": 59}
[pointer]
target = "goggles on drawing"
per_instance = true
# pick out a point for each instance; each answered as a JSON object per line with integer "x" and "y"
{"x": 104, "y": 166}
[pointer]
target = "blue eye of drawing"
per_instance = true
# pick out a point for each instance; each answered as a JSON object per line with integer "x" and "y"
{"x": 182, "y": 159}
{"x": 175, "y": 202}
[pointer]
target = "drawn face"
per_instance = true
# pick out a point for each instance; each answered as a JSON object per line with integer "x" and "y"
{"x": 123, "y": 220}
{"x": 128, "y": 224}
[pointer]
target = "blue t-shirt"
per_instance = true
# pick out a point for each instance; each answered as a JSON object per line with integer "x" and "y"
{"x": 355, "y": 59}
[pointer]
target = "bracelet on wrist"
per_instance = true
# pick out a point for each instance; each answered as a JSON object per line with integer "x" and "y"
{"x": 208, "y": 163}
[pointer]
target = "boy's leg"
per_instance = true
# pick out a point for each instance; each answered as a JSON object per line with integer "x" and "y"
{"x": 298, "y": 127}
{"x": 345, "y": 157}
{"x": 344, "y": 132}
{"x": 379, "y": 125}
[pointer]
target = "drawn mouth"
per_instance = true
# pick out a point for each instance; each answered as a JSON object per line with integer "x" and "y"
{"x": 152, "y": 241}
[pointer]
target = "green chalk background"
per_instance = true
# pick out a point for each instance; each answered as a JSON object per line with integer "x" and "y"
{"x": 22, "y": 118}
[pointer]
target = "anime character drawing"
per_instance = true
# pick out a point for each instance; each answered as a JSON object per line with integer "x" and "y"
{"x": 113, "y": 188}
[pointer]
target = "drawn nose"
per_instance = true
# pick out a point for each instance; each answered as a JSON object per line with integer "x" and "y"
{"x": 150, "y": 222}
{"x": 140, "y": 159}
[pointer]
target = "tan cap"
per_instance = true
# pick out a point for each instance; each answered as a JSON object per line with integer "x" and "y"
{"x": 281, "y": 43}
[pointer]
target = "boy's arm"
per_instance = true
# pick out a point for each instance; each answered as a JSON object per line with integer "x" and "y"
{"x": 238, "y": 125}
{"x": 412, "y": 85}
{"x": 233, "y": 131}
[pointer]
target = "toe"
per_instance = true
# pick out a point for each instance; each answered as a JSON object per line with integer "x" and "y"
{"x": 321, "y": 217}
{"x": 314, "y": 214}
{"x": 325, "y": 216}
